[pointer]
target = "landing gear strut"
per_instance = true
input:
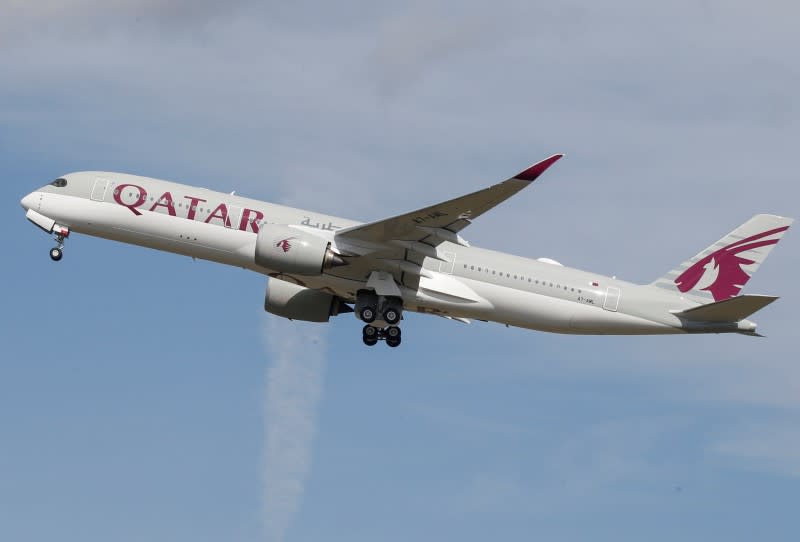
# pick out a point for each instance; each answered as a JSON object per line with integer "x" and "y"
{"x": 61, "y": 233}
{"x": 381, "y": 314}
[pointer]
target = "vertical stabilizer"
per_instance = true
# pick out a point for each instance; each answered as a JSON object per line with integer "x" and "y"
{"x": 720, "y": 271}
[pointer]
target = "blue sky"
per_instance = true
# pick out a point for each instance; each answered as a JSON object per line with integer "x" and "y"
{"x": 144, "y": 396}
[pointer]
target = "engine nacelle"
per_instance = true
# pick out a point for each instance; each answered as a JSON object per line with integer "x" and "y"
{"x": 289, "y": 250}
{"x": 299, "y": 303}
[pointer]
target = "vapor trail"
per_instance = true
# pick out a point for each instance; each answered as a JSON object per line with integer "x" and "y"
{"x": 293, "y": 389}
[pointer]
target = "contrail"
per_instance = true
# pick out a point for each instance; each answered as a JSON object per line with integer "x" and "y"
{"x": 293, "y": 389}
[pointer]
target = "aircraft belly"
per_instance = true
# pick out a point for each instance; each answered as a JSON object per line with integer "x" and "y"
{"x": 596, "y": 321}
{"x": 519, "y": 308}
{"x": 545, "y": 313}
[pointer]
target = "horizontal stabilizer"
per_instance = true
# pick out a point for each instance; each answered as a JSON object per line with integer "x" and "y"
{"x": 728, "y": 310}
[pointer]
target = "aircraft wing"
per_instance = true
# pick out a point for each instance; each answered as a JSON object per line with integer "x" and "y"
{"x": 441, "y": 222}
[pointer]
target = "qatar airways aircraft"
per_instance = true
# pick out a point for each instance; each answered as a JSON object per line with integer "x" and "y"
{"x": 321, "y": 266}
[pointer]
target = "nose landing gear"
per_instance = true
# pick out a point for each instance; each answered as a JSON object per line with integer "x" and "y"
{"x": 381, "y": 314}
{"x": 61, "y": 233}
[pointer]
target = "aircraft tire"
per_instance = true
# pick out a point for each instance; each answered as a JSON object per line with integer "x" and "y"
{"x": 368, "y": 314}
{"x": 391, "y": 316}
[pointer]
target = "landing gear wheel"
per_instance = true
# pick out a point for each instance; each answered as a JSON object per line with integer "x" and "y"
{"x": 391, "y": 316}
{"x": 368, "y": 314}
{"x": 392, "y": 336}
{"x": 60, "y": 233}
{"x": 370, "y": 335}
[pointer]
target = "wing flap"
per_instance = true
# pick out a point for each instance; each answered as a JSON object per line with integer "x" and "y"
{"x": 445, "y": 287}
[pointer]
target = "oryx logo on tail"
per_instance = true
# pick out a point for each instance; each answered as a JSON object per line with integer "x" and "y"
{"x": 722, "y": 273}
{"x": 285, "y": 244}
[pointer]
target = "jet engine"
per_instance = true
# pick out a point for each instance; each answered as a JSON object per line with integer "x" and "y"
{"x": 299, "y": 303}
{"x": 292, "y": 251}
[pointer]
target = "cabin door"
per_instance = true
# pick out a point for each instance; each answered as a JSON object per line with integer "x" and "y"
{"x": 612, "y": 299}
{"x": 99, "y": 189}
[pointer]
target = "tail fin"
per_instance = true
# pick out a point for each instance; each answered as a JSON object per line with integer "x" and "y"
{"x": 720, "y": 271}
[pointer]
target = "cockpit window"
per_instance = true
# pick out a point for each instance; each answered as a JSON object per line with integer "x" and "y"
{"x": 59, "y": 183}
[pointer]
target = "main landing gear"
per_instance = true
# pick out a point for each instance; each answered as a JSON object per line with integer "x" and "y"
{"x": 371, "y": 335}
{"x": 61, "y": 233}
{"x": 381, "y": 314}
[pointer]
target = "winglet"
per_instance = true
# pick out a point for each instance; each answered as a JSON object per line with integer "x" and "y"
{"x": 533, "y": 172}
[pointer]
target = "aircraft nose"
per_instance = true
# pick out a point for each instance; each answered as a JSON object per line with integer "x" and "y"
{"x": 28, "y": 201}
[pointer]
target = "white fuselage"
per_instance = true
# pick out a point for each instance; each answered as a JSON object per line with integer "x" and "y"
{"x": 464, "y": 282}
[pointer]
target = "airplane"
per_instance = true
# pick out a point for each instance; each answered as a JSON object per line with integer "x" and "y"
{"x": 320, "y": 266}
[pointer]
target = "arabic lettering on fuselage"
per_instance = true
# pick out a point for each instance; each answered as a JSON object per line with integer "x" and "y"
{"x": 137, "y": 197}
{"x": 330, "y": 226}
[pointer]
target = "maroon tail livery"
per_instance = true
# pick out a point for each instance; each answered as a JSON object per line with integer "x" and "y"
{"x": 721, "y": 270}
{"x": 728, "y": 266}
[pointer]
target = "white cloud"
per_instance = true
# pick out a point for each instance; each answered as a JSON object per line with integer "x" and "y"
{"x": 769, "y": 445}
{"x": 294, "y": 382}
{"x": 412, "y": 44}
{"x": 22, "y": 18}
{"x": 609, "y": 454}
